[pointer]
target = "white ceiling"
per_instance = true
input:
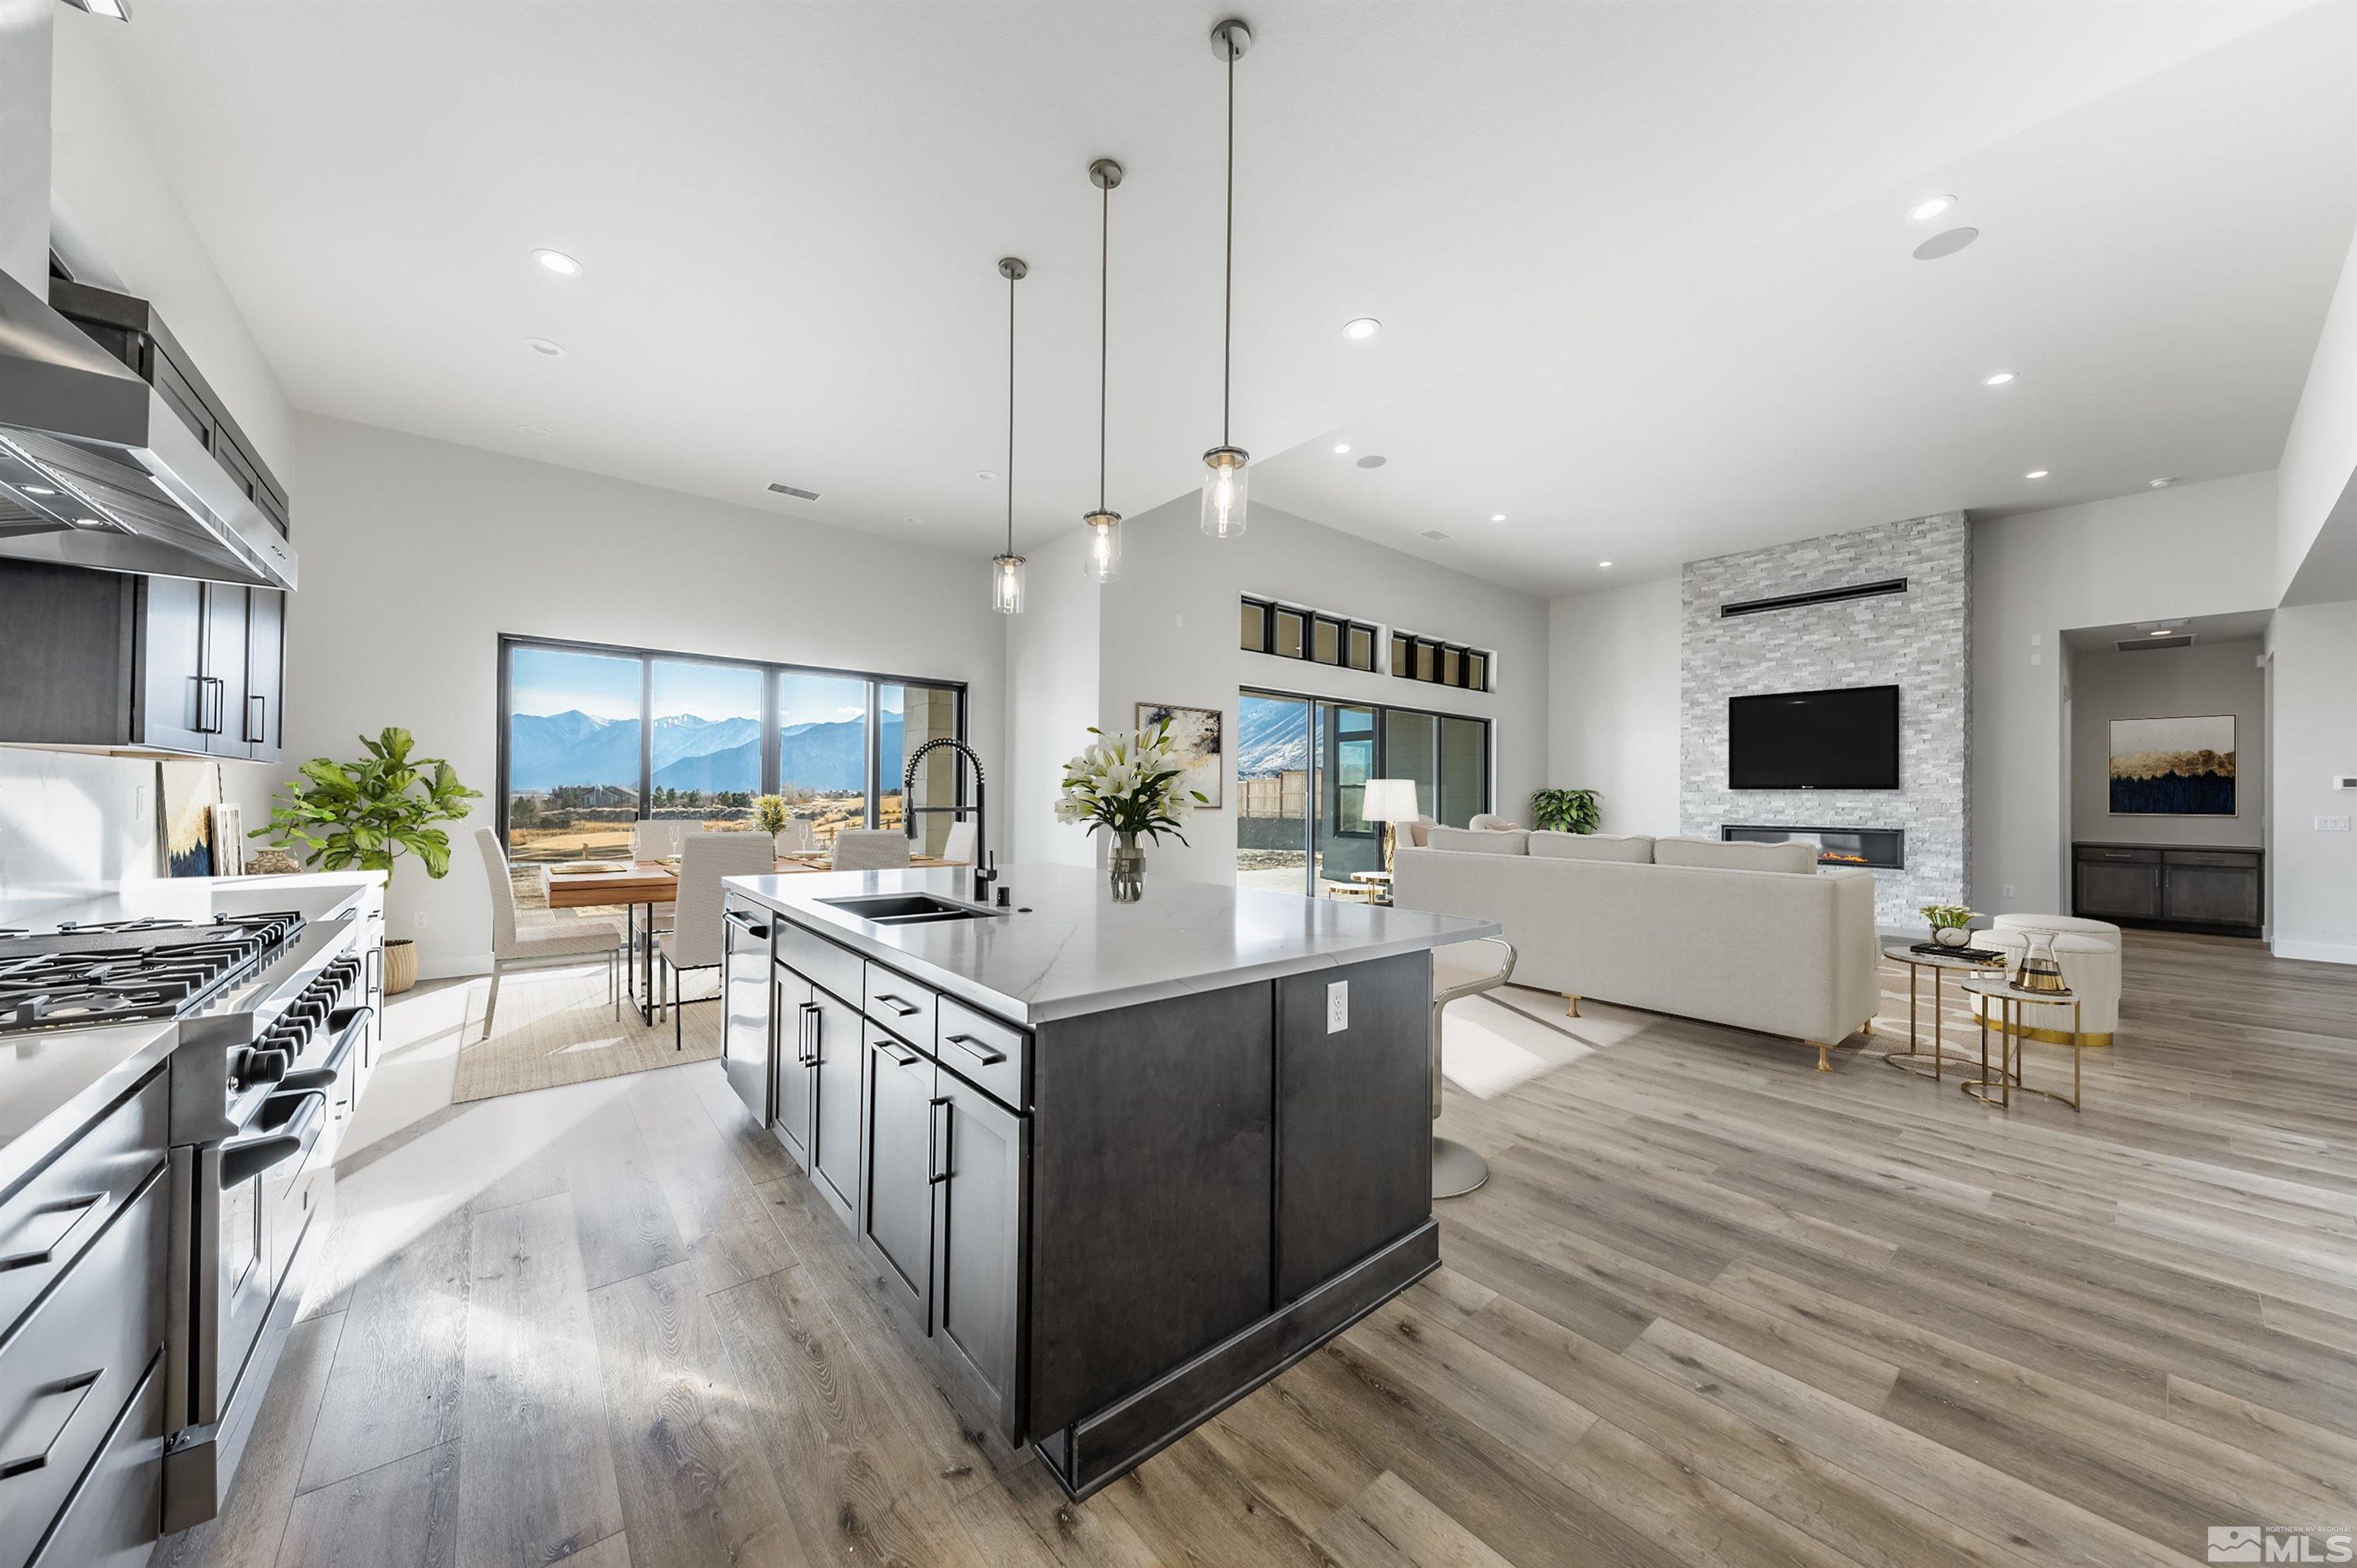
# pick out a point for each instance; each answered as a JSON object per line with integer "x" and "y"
{"x": 1643, "y": 268}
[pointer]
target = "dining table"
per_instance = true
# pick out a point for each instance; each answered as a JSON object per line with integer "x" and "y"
{"x": 643, "y": 885}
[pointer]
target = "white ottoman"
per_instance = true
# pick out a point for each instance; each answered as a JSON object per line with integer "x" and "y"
{"x": 2088, "y": 951}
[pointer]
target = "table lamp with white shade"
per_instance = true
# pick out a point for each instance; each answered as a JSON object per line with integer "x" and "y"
{"x": 1389, "y": 801}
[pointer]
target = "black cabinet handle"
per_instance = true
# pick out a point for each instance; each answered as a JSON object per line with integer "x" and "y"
{"x": 220, "y": 690}
{"x": 79, "y": 1387}
{"x": 81, "y": 1208}
{"x": 977, "y": 1050}
{"x": 937, "y": 1150}
{"x": 901, "y": 1006}
{"x": 255, "y": 727}
{"x": 900, "y": 1053}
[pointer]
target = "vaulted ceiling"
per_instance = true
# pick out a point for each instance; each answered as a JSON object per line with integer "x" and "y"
{"x": 1644, "y": 270}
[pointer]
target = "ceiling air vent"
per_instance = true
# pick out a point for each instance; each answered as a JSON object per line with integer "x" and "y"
{"x": 800, "y": 495}
{"x": 2146, "y": 644}
{"x": 1432, "y": 533}
{"x": 1818, "y": 596}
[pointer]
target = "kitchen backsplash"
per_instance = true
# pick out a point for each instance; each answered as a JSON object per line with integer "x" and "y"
{"x": 71, "y": 824}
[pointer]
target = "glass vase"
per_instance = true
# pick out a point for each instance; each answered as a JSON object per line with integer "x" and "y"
{"x": 1127, "y": 867}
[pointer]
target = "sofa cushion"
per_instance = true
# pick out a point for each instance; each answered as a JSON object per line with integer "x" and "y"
{"x": 1634, "y": 849}
{"x": 1485, "y": 841}
{"x": 1712, "y": 855}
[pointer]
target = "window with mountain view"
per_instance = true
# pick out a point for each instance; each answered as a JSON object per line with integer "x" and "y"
{"x": 599, "y": 738}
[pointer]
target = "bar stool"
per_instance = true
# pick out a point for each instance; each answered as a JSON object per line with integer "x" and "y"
{"x": 1456, "y": 1169}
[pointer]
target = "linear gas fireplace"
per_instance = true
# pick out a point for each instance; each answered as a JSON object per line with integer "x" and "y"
{"x": 1881, "y": 848}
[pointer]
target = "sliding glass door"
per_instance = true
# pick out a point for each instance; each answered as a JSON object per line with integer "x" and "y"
{"x": 1302, "y": 768}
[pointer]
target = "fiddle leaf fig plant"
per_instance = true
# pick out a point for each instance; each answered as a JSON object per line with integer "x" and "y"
{"x": 367, "y": 813}
{"x": 1565, "y": 810}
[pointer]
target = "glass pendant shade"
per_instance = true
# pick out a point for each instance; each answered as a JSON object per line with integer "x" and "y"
{"x": 1102, "y": 560}
{"x": 1007, "y": 585}
{"x": 1225, "y": 478}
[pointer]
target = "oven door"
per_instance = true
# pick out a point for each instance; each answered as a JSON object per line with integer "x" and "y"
{"x": 748, "y": 1035}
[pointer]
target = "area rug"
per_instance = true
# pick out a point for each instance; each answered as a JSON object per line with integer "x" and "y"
{"x": 556, "y": 1026}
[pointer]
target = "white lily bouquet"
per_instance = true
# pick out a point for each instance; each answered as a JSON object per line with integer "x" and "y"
{"x": 1128, "y": 783}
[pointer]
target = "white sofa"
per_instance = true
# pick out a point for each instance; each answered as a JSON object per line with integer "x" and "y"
{"x": 1755, "y": 936}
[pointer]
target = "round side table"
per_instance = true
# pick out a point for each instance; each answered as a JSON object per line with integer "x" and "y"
{"x": 1940, "y": 964}
{"x": 2010, "y": 999}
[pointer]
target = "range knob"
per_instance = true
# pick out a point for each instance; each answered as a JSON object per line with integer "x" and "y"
{"x": 262, "y": 1066}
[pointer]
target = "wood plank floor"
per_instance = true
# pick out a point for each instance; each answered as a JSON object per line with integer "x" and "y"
{"x": 1713, "y": 1307}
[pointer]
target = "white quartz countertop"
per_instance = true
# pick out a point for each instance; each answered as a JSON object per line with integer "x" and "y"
{"x": 1067, "y": 948}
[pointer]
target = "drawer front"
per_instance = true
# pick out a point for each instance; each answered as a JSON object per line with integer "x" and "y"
{"x": 74, "y": 1364}
{"x": 118, "y": 1509}
{"x": 2239, "y": 859}
{"x": 994, "y": 1058}
{"x": 900, "y": 1004}
{"x": 2212, "y": 895}
{"x": 52, "y": 1218}
{"x": 819, "y": 960}
{"x": 2119, "y": 853}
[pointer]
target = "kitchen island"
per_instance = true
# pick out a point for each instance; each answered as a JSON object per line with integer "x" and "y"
{"x": 1121, "y": 1163}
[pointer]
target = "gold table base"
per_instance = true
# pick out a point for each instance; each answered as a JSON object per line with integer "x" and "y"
{"x": 1997, "y": 1086}
{"x": 1906, "y": 1061}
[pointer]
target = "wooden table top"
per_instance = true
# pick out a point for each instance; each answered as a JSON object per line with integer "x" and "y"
{"x": 653, "y": 882}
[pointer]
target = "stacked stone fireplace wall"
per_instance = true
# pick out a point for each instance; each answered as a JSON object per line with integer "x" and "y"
{"x": 1920, "y": 640}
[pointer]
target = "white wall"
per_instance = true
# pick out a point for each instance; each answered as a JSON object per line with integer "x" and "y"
{"x": 1054, "y": 662}
{"x": 2206, "y": 549}
{"x": 417, "y": 554}
{"x": 1170, "y": 634}
{"x": 120, "y": 225}
{"x": 2208, "y": 678}
{"x": 1612, "y": 690}
{"x": 2318, "y": 473}
{"x": 2313, "y": 873}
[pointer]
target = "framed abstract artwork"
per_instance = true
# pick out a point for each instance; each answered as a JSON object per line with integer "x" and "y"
{"x": 1196, "y": 733}
{"x": 2173, "y": 768}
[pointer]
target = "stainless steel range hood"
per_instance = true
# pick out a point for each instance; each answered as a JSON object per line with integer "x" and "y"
{"x": 96, "y": 470}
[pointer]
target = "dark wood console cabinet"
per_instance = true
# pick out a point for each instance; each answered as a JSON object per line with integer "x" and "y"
{"x": 2187, "y": 887}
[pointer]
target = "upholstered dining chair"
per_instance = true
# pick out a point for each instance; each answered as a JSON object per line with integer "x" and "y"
{"x": 654, "y": 839}
{"x": 870, "y": 849}
{"x": 959, "y": 846}
{"x": 795, "y": 837}
{"x": 540, "y": 948}
{"x": 697, "y": 938}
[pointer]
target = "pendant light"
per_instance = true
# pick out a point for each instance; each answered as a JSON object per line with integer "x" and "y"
{"x": 1223, "y": 465}
{"x": 1006, "y": 570}
{"x": 1102, "y": 561}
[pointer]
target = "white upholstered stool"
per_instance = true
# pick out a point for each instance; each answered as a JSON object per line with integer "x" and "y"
{"x": 2088, "y": 951}
{"x": 1461, "y": 969}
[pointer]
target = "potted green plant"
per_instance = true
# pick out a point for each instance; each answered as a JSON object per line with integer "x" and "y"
{"x": 1565, "y": 810}
{"x": 364, "y": 815}
{"x": 772, "y": 814}
{"x": 1951, "y": 923}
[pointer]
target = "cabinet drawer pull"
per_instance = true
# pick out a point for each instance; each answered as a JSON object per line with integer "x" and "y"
{"x": 977, "y": 1050}
{"x": 79, "y": 1387}
{"x": 937, "y": 1169}
{"x": 808, "y": 1042}
{"x": 747, "y": 923}
{"x": 898, "y": 1052}
{"x": 81, "y": 1208}
{"x": 901, "y": 1006}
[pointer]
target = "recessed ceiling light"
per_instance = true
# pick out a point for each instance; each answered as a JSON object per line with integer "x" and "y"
{"x": 1998, "y": 380}
{"x": 1946, "y": 242}
{"x": 1498, "y": 517}
{"x": 1361, "y": 329}
{"x": 542, "y": 346}
{"x": 1373, "y": 461}
{"x": 558, "y": 261}
{"x": 1930, "y": 207}
{"x": 2035, "y": 474}
{"x": 1341, "y": 448}
{"x": 2163, "y": 483}
{"x": 1604, "y": 565}
{"x": 532, "y": 429}
{"x": 987, "y": 475}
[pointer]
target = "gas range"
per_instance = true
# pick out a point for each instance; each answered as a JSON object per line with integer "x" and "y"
{"x": 79, "y": 976}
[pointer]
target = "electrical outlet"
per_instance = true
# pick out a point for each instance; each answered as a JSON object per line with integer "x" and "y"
{"x": 418, "y": 920}
{"x": 2006, "y": 890}
{"x": 2332, "y": 824}
{"x": 1337, "y": 1006}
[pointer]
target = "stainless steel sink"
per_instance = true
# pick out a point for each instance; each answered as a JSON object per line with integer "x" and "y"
{"x": 907, "y": 908}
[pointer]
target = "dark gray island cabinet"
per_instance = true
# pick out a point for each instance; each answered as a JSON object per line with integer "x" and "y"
{"x": 1120, "y": 1163}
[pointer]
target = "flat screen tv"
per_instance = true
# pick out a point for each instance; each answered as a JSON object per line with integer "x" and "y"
{"x": 1844, "y": 739}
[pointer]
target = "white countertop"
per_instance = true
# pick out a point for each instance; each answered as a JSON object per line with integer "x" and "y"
{"x": 1067, "y": 948}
